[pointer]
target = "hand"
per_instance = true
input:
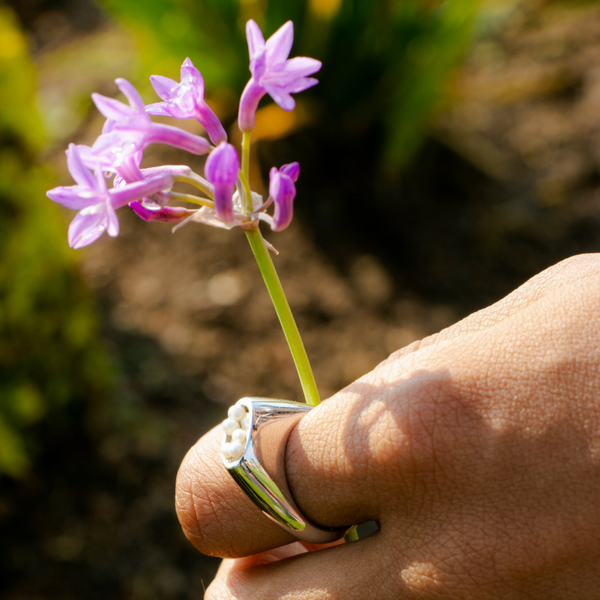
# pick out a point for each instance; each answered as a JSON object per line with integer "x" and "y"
{"x": 477, "y": 451}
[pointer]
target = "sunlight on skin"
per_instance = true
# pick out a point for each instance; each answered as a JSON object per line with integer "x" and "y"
{"x": 422, "y": 577}
{"x": 492, "y": 486}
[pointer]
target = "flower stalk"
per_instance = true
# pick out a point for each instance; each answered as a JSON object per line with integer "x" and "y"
{"x": 230, "y": 202}
{"x": 284, "y": 313}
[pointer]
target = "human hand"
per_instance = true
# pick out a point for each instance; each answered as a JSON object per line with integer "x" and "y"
{"x": 477, "y": 451}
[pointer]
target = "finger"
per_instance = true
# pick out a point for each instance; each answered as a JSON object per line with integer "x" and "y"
{"x": 215, "y": 514}
{"x": 416, "y": 418}
{"x": 440, "y": 565}
{"x": 346, "y": 460}
{"x": 235, "y": 564}
{"x": 230, "y": 565}
{"x": 361, "y": 454}
{"x": 351, "y": 571}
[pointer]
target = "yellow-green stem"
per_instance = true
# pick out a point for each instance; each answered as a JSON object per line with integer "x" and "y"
{"x": 282, "y": 308}
{"x": 246, "y": 154}
{"x": 351, "y": 536}
{"x": 193, "y": 199}
{"x": 286, "y": 318}
{"x": 247, "y": 195}
{"x": 197, "y": 182}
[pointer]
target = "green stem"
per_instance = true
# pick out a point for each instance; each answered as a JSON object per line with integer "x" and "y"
{"x": 282, "y": 308}
{"x": 197, "y": 181}
{"x": 193, "y": 199}
{"x": 245, "y": 171}
{"x": 246, "y": 154}
{"x": 351, "y": 536}
{"x": 247, "y": 195}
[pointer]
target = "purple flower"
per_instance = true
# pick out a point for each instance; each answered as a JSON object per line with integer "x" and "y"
{"x": 150, "y": 211}
{"x": 207, "y": 215}
{"x": 283, "y": 191}
{"x": 95, "y": 202}
{"x": 221, "y": 169}
{"x": 134, "y": 173}
{"x": 129, "y": 129}
{"x": 185, "y": 100}
{"x": 272, "y": 72}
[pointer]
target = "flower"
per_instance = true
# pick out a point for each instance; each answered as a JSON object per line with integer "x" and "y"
{"x": 272, "y": 72}
{"x": 129, "y": 129}
{"x": 134, "y": 173}
{"x": 95, "y": 202}
{"x": 185, "y": 100}
{"x": 208, "y": 216}
{"x": 283, "y": 191}
{"x": 221, "y": 169}
{"x": 150, "y": 211}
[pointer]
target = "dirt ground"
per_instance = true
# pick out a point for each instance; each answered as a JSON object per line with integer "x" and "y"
{"x": 508, "y": 184}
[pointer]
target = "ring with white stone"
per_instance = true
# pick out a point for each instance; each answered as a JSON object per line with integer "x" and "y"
{"x": 255, "y": 435}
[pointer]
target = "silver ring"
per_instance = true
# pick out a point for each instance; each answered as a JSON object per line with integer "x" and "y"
{"x": 254, "y": 439}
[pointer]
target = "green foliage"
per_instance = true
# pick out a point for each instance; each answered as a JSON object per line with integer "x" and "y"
{"x": 386, "y": 64}
{"x": 49, "y": 350}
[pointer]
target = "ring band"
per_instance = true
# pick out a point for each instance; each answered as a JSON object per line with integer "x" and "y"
{"x": 254, "y": 440}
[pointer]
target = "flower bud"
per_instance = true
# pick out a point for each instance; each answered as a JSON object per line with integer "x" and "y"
{"x": 283, "y": 191}
{"x": 221, "y": 169}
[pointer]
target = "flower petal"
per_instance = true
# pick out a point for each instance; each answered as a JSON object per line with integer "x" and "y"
{"x": 207, "y": 216}
{"x": 224, "y": 201}
{"x": 191, "y": 76}
{"x": 301, "y": 84}
{"x": 178, "y": 138}
{"x": 80, "y": 173}
{"x": 256, "y": 40}
{"x": 91, "y": 159}
{"x": 251, "y": 96}
{"x": 75, "y": 197}
{"x": 110, "y": 150}
{"x": 140, "y": 189}
{"x": 258, "y": 66}
{"x": 160, "y": 109}
{"x": 283, "y": 191}
{"x": 278, "y": 46}
{"x": 292, "y": 170}
{"x": 112, "y": 109}
{"x": 150, "y": 211}
{"x": 222, "y": 165}
{"x": 87, "y": 226}
{"x": 164, "y": 87}
{"x": 112, "y": 220}
{"x": 129, "y": 168}
{"x": 281, "y": 97}
{"x": 207, "y": 118}
{"x": 301, "y": 66}
{"x": 221, "y": 169}
{"x": 129, "y": 91}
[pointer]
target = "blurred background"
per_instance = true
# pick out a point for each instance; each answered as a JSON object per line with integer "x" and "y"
{"x": 450, "y": 151}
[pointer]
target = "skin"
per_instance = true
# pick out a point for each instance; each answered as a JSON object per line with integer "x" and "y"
{"x": 477, "y": 450}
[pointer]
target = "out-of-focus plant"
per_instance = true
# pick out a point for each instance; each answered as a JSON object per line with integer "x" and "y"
{"x": 387, "y": 64}
{"x": 49, "y": 350}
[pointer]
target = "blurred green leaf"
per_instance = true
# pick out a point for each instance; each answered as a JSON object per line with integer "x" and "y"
{"x": 49, "y": 348}
{"x": 386, "y": 65}
{"x": 14, "y": 458}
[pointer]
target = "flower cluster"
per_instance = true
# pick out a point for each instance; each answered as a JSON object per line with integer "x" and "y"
{"x": 226, "y": 199}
